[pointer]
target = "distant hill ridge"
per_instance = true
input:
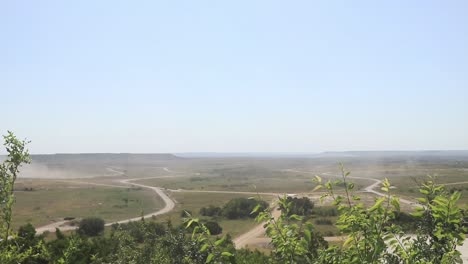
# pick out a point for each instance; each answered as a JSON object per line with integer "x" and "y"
{"x": 395, "y": 153}
{"x": 102, "y": 157}
{"x": 331, "y": 154}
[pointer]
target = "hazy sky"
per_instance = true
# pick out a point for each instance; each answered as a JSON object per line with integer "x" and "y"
{"x": 229, "y": 76}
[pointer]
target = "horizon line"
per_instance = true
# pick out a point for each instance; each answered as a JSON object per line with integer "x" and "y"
{"x": 253, "y": 152}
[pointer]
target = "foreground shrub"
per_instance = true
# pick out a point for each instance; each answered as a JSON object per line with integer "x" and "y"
{"x": 372, "y": 233}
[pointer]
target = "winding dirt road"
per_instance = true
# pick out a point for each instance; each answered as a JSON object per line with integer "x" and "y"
{"x": 168, "y": 204}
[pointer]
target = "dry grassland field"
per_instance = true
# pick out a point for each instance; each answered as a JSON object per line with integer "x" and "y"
{"x": 117, "y": 187}
{"x": 45, "y": 204}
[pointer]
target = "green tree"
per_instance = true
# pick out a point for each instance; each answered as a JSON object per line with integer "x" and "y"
{"x": 242, "y": 207}
{"x": 9, "y": 170}
{"x": 16, "y": 252}
{"x": 214, "y": 227}
{"x": 293, "y": 239}
{"x": 27, "y": 232}
{"x": 91, "y": 226}
{"x": 299, "y": 206}
{"x": 210, "y": 210}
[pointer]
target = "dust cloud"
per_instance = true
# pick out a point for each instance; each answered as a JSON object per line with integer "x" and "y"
{"x": 41, "y": 171}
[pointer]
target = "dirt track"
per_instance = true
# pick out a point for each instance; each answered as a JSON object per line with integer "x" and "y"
{"x": 258, "y": 231}
{"x": 169, "y": 205}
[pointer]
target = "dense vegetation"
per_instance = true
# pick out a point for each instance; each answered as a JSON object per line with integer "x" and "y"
{"x": 373, "y": 234}
{"x": 242, "y": 208}
{"x": 234, "y": 209}
{"x": 91, "y": 226}
{"x": 298, "y": 206}
{"x": 210, "y": 210}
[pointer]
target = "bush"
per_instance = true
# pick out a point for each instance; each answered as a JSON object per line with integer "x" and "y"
{"x": 91, "y": 226}
{"x": 299, "y": 206}
{"x": 157, "y": 229}
{"x": 27, "y": 232}
{"x": 242, "y": 208}
{"x": 214, "y": 227}
{"x": 210, "y": 211}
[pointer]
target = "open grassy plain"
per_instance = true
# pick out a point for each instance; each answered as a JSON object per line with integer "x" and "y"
{"x": 95, "y": 187}
{"x": 52, "y": 201}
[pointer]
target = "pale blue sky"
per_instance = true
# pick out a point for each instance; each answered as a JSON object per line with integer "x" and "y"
{"x": 234, "y": 76}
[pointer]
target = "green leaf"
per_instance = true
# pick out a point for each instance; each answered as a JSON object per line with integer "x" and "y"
{"x": 318, "y": 187}
{"x": 307, "y": 235}
{"x": 295, "y": 217}
{"x": 204, "y": 247}
{"x": 209, "y": 258}
{"x": 220, "y": 241}
{"x": 417, "y": 214}
{"x": 421, "y": 200}
{"x": 256, "y": 209}
{"x": 424, "y": 191}
{"x": 455, "y": 196}
{"x": 227, "y": 254}
{"x": 396, "y": 203}
{"x": 377, "y": 204}
{"x": 347, "y": 241}
{"x": 189, "y": 223}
